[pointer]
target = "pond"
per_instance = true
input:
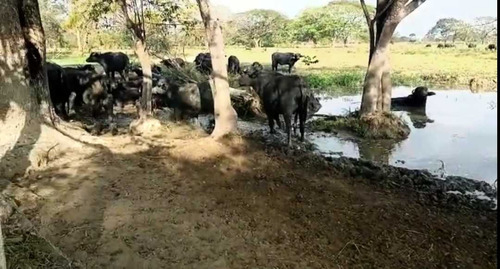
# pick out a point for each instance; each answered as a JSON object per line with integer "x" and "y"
{"x": 457, "y": 135}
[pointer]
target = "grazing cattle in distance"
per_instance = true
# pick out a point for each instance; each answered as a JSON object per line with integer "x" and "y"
{"x": 492, "y": 47}
{"x": 233, "y": 65}
{"x": 111, "y": 62}
{"x": 417, "y": 99}
{"x": 284, "y": 58}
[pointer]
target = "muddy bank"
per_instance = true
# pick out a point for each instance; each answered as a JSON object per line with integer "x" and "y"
{"x": 450, "y": 192}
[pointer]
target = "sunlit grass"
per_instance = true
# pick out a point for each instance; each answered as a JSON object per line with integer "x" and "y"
{"x": 412, "y": 64}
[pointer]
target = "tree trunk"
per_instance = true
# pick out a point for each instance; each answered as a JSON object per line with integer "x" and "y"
{"x": 256, "y": 43}
{"x": 377, "y": 88}
{"x": 225, "y": 115}
{"x": 147, "y": 82}
{"x": 23, "y": 86}
{"x": 79, "y": 41}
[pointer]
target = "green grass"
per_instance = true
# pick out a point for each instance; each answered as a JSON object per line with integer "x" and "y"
{"x": 342, "y": 67}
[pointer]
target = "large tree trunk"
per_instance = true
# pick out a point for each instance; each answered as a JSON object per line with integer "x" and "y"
{"x": 377, "y": 88}
{"x": 147, "y": 82}
{"x": 23, "y": 86}
{"x": 225, "y": 115}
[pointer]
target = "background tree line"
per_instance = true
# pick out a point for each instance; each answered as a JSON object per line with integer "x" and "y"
{"x": 68, "y": 24}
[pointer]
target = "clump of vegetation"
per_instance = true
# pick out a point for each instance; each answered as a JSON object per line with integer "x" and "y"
{"x": 326, "y": 80}
{"x": 380, "y": 126}
{"x": 186, "y": 74}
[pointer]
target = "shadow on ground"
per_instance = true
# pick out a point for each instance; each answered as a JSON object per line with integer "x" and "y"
{"x": 181, "y": 200}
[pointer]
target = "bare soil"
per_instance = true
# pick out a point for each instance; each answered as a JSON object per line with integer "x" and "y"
{"x": 178, "y": 199}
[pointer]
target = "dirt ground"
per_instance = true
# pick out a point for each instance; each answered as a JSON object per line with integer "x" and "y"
{"x": 178, "y": 199}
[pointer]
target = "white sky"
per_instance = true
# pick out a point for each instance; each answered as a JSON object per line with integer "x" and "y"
{"x": 419, "y": 22}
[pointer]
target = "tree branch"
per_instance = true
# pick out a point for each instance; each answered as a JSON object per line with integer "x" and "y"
{"x": 367, "y": 14}
{"x": 410, "y": 6}
{"x": 371, "y": 31}
{"x": 384, "y": 9}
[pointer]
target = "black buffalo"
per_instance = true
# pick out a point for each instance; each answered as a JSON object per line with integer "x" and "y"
{"x": 280, "y": 58}
{"x": 111, "y": 62}
{"x": 440, "y": 46}
{"x": 447, "y": 45}
{"x": 282, "y": 95}
{"x": 254, "y": 70}
{"x": 89, "y": 87}
{"x": 173, "y": 63}
{"x": 233, "y": 65}
{"x": 187, "y": 101}
{"x": 59, "y": 94}
{"x": 203, "y": 63}
{"x": 492, "y": 47}
{"x": 418, "y": 98}
{"x": 428, "y": 45}
{"x": 125, "y": 94}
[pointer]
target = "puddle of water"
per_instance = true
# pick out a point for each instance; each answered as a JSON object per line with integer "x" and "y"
{"x": 458, "y": 129}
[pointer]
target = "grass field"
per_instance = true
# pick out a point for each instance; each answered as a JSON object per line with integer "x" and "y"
{"x": 412, "y": 64}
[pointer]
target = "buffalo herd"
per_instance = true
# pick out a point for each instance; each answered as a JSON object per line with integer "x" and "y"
{"x": 95, "y": 85}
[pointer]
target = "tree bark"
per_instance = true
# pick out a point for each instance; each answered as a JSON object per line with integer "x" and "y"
{"x": 377, "y": 87}
{"x": 139, "y": 32}
{"x": 23, "y": 86}
{"x": 147, "y": 82}
{"x": 225, "y": 115}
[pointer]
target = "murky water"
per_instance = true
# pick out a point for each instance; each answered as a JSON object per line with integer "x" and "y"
{"x": 456, "y": 135}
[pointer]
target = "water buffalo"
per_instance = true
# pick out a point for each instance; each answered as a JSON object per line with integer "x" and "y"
{"x": 173, "y": 63}
{"x": 253, "y": 70}
{"x": 492, "y": 47}
{"x": 187, "y": 101}
{"x": 418, "y": 98}
{"x": 428, "y": 45}
{"x": 281, "y": 58}
{"x": 471, "y": 45}
{"x": 203, "y": 63}
{"x": 233, "y": 65}
{"x": 447, "y": 45}
{"x": 282, "y": 95}
{"x": 111, "y": 62}
{"x": 89, "y": 87}
{"x": 59, "y": 94}
{"x": 440, "y": 46}
{"x": 125, "y": 94}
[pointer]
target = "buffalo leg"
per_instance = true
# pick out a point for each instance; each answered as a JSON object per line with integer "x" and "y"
{"x": 303, "y": 116}
{"x": 278, "y": 121}
{"x": 288, "y": 124}
{"x": 295, "y": 124}
{"x": 270, "y": 119}
{"x": 122, "y": 74}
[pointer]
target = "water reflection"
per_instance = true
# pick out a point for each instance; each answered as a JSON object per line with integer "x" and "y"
{"x": 418, "y": 116}
{"x": 378, "y": 152}
{"x": 455, "y": 128}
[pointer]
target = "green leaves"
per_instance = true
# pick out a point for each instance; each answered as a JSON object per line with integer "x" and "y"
{"x": 337, "y": 21}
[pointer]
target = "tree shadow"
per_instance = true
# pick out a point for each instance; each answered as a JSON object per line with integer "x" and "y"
{"x": 197, "y": 203}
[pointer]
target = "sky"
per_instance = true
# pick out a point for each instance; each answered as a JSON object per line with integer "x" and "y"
{"x": 419, "y": 22}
